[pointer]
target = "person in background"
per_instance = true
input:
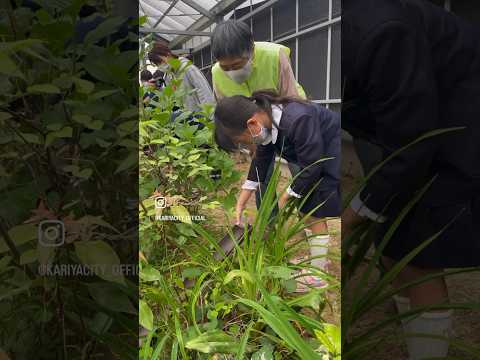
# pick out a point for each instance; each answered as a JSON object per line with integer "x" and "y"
{"x": 193, "y": 78}
{"x": 410, "y": 68}
{"x": 306, "y": 132}
{"x": 244, "y": 66}
{"x": 148, "y": 85}
{"x": 158, "y": 78}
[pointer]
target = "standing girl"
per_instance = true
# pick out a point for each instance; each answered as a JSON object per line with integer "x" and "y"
{"x": 300, "y": 132}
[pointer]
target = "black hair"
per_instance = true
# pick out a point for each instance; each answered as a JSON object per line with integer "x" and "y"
{"x": 232, "y": 39}
{"x": 232, "y": 114}
{"x": 157, "y": 75}
{"x": 145, "y": 75}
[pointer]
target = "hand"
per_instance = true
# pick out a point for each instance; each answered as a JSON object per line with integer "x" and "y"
{"x": 241, "y": 204}
{"x": 350, "y": 220}
{"x": 283, "y": 200}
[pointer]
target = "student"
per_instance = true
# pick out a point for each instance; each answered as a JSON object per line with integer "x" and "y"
{"x": 411, "y": 67}
{"x": 307, "y": 132}
{"x": 193, "y": 78}
{"x": 148, "y": 85}
{"x": 244, "y": 66}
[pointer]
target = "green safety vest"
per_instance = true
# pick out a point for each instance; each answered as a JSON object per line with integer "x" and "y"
{"x": 264, "y": 74}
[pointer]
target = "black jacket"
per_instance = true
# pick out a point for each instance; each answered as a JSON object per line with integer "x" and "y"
{"x": 410, "y": 67}
{"x": 308, "y": 133}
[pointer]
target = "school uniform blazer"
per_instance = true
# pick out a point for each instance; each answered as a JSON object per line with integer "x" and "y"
{"x": 307, "y": 132}
{"x": 410, "y": 67}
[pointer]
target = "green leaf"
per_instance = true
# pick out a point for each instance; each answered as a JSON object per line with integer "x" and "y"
{"x": 28, "y": 257}
{"x": 265, "y": 353}
{"x": 8, "y": 67}
{"x": 279, "y": 272}
{"x": 214, "y": 341}
{"x": 145, "y": 315}
{"x": 66, "y": 132}
{"x": 238, "y": 273}
{"x": 128, "y": 162}
{"x": 20, "y": 235}
{"x": 185, "y": 230}
{"x": 191, "y": 273}
{"x": 87, "y": 121}
{"x": 111, "y": 297}
{"x": 101, "y": 258}
{"x": 4, "y": 115}
{"x": 181, "y": 213}
{"x": 44, "y": 89}
{"x": 83, "y": 86}
{"x": 313, "y": 299}
{"x": 103, "y": 93}
{"x": 149, "y": 273}
{"x": 30, "y": 138}
{"x": 330, "y": 338}
{"x": 106, "y": 28}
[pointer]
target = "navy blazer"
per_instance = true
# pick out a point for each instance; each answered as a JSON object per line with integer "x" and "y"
{"x": 307, "y": 132}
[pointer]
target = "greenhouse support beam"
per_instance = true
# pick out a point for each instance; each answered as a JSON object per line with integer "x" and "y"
{"x": 223, "y": 7}
{"x": 172, "y": 5}
{"x": 193, "y": 4}
{"x": 175, "y": 32}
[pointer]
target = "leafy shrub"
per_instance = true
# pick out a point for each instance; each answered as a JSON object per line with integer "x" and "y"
{"x": 68, "y": 132}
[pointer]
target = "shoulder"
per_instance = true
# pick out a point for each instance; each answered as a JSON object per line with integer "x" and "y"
{"x": 296, "y": 111}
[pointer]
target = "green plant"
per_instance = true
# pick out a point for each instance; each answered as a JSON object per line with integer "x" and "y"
{"x": 240, "y": 307}
{"x": 68, "y": 132}
{"x": 360, "y": 296}
{"x": 179, "y": 161}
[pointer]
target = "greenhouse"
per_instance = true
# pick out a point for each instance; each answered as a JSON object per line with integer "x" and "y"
{"x": 247, "y": 245}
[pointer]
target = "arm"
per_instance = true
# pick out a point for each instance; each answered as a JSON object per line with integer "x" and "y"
{"x": 218, "y": 94}
{"x": 286, "y": 78}
{"x": 200, "y": 83}
{"x": 260, "y": 163}
{"x": 396, "y": 74}
{"x": 257, "y": 173}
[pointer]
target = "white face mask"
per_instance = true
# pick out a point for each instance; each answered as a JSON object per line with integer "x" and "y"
{"x": 263, "y": 137}
{"x": 241, "y": 75}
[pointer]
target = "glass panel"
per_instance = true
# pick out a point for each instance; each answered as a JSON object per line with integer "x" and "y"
{"x": 197, "y": 59}
{"x": 261, "y": 25}
{"x": 291, "y": 44}
{"x": 207, "y": 56}
{"x": 337, "y": 8}
{"x": 208, "y": 74}
{"x": 312, "y": 71}
{"x": 284, "y": 22}
{"x": 312, "y": 12}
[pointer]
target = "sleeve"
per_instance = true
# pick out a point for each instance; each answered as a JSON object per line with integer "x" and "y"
{"x": 287, "y": 82}
{"x": 200, "y": 83}
{"x": 306, "y": 136}
{"x": 218, "y": 95}
{"x": 261, "y": 161}
{"x": 395, "y": 71}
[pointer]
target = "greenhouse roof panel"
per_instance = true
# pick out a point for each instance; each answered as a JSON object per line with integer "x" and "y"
{"x": 166, "y": 17}
{"x": 174, "y": 15}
